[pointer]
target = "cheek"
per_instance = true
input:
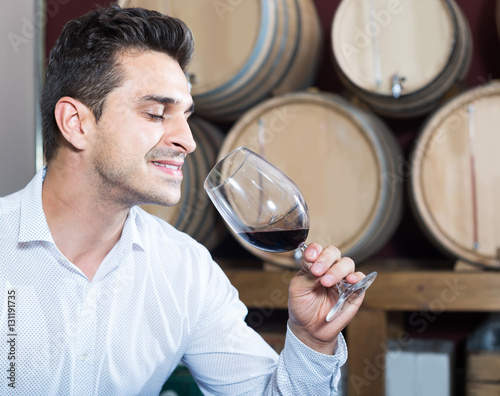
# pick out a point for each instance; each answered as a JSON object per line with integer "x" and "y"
{"x": 150, "y": 136}
{"x": 129, "y": 134}
{"x": 144, "y": 141}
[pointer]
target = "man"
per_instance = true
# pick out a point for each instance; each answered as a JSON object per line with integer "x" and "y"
{"x": 101, "y": 298}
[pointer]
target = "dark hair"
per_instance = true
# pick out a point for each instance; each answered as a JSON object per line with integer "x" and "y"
{"x": 83, "y": 62}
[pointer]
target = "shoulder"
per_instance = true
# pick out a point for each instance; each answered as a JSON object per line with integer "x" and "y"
{"x": 10, "y": 215}
{"x": 171, "y": 250}
{"x": 184, "y": 264}
{"x": 10, "y": 203}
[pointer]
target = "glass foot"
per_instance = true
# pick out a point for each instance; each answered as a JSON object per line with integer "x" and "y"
{"x": 348, "y": 293}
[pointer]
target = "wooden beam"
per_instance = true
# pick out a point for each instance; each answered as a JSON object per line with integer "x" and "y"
{"x": 366, "y": 341}
{"x": 391, "y": 291}
{"x": 435, "y": 291}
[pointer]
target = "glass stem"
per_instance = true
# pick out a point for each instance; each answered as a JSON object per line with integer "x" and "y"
{"x": 299, "y": 254}
{"x": 342, "y": 287}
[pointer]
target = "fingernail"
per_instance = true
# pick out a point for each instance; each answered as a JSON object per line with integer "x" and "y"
{"x": 314, "y": 254}
{"x": 318, "y": 268}
{"x": 328, "y": 278}
{"x": 351, "y": 278}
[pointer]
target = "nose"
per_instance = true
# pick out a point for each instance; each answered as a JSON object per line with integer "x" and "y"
{"x": 178, "y": 134}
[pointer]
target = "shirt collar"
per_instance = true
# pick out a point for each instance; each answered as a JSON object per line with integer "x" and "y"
{"x": 130, "y": 233}
{"x": 33, "y": 224}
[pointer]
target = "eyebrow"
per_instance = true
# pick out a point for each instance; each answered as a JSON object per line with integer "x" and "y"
{"x": 164, "y": 100}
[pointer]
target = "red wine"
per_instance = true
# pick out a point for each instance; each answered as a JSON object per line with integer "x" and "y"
{"x": 276, "y": 240}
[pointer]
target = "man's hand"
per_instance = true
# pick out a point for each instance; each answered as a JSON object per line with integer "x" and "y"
{"x": 313, "y": 294}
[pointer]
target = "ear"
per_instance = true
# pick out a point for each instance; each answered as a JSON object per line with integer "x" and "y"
{"x": 75, "y": 121}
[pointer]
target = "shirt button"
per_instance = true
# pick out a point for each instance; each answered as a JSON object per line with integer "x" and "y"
{"x": 83, "y": 356}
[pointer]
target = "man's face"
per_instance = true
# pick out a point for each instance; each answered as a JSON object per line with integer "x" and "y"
{"x": 143, "y": 136}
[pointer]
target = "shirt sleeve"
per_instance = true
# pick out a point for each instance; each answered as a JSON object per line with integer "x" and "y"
{"x": 227, "y": 357}
{"x": 302, "y": 370}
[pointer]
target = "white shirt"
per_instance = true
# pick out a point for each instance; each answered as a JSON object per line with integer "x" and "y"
{"x": 156, "y": 300}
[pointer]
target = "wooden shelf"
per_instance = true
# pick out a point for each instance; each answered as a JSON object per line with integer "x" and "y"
{"x": 400, "y": 286}
{"x": 395, "y": 289}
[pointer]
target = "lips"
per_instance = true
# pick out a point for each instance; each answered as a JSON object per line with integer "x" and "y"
{"x": 169, "y": 166}
{"x": 172, "y": 168}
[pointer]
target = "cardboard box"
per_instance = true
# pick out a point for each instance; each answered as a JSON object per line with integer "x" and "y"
{"x": 421, "y": 368}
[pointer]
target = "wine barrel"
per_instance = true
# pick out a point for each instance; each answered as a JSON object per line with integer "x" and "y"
{"x": 246, "y": 51}
{"x": 455, "y": 176}
{"x": 343, "y": 159}
{"x": 194, "y": 214}
{"x": 402, "y": 58}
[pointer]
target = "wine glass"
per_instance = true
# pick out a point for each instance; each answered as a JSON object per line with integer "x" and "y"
{"x": 267, "y": 210}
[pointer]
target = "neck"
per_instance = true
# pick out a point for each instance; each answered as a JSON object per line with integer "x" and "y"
{"x": 83, "y": 226}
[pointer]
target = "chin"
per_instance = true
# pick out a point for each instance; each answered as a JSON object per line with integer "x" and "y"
{"x": 169, "y": 203}
{"x": 170, "y": 200}
{"x": 157, "y": 198}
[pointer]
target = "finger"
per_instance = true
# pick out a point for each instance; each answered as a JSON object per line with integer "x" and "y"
{"x": 312, "y": 252}
{"x": 309, "y": 257}
{"x": 324, "y": 259}
{"x": 355, "y": 278}
{"x": 337, "y": 272}
{"x": 349, "y": 312}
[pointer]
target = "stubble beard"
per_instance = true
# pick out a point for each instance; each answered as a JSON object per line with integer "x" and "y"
{"x": 123, "y": 187}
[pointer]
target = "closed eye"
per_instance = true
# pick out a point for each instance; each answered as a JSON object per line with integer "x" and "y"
{"x": 155, "y": 117}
